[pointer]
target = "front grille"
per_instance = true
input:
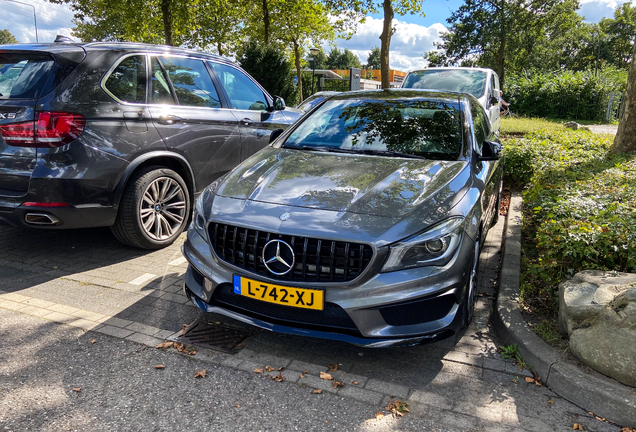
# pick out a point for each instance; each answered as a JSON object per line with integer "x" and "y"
{"x": 418, "y": 311}
{"x": 316, "y": 259}
{"x": 333, "y": 316}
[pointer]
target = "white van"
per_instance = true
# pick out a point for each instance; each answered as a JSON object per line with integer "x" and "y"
{"x": 480, "y": 82}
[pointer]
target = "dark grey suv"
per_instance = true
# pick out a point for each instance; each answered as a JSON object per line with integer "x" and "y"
{"x": 122, "y": 135}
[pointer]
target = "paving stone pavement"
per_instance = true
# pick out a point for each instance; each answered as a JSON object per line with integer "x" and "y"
{"x": 86, "y": 279}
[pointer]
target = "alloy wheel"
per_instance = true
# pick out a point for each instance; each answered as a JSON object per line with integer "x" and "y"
{"x": 162, "y": 209}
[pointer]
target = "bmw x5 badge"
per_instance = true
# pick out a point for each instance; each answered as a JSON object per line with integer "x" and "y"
{"x": 285, "y": 216}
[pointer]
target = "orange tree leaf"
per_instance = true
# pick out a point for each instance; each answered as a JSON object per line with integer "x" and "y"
{"x": 325, "y": 376}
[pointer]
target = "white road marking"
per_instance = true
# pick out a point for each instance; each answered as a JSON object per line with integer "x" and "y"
{"x": 143, "y": 278}
{"x": 178, "y": 261}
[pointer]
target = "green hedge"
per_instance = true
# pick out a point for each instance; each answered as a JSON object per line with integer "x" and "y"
{"x": 565, "y": 94}
{"x": 579, "y": 208}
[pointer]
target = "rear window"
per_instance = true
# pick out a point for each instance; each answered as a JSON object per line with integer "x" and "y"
{"x": 31, "y": 75}
{"x": 458, "y": 80}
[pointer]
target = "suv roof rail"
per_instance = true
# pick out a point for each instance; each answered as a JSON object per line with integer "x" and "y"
{"x": 63, "y": 39}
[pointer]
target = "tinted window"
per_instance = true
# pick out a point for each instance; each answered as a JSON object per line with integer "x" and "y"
{"x": 191, "y": 82}
{"x": 25, "y": 76}
{"x": 127, "y": 82}
{"x": 459, "y": 80}
{"x": 241, "y": 90}
{"x": 418, "y": 127}
{"x": 159, "y": 87}
{"x": 480, "y": 122}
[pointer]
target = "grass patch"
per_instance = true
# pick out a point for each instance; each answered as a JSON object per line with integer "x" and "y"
{"x": 578, "y": 213}
{"x": 511, "y": 126}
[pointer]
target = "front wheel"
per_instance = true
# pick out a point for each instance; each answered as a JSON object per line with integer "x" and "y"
{"x": 154, "y": 209}
{"x": 471, "y": 289}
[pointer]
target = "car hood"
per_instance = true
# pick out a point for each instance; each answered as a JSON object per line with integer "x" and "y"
{"x": 364, "y": 184}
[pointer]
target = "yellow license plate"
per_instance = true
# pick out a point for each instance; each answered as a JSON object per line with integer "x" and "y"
{"x": 278, "y": 294}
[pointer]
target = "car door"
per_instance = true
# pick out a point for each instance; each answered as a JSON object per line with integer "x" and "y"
{"x": 486, "y": 170}
{"x": 251, "y": 106}
{"x": 191, "y": 117}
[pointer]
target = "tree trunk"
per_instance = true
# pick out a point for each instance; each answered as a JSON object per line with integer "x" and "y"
{"x": 219, "y": 47}
{"x": 385, "y": 38}
{"x": 166, "y": 14}
{"x": 625, "y": 141}
{"x": 299, "y": 72}
{"x": 266, "y": 21}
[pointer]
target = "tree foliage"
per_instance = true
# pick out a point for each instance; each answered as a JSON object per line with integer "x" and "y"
{"x": 271, "y": 69}
{"x": 342, "y": 59}
{"x": 6, "y": 37}
{"x": 373, "y": 60}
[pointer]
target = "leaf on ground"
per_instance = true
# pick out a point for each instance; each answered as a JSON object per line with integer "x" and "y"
{"x": 164, "y": 345}
{"x": 94, "y": 340}
{"x": 178, "y": 346}
{"x": 317, "y": 391}
{"x": 278, "y": 378}
{"x": 332, "y": 367}
{"x": 77, "y": 389}
{"x": 237, "y": 406}
{"x": 160, "y": 367}
{"x": 325, "y": 376}
{"x": 192, "y": 353}
{"x": 306, "y": 371}
{"x": 577, "y": 426}
{"x": 184, "y": 329}
{"x": 258, "y": 370}
{"x": 379, "y": 415}
{"x": 529, "y": 380}
{"x": 550, "y": 401}
{"x": 336, "y": 384}
{"x": 628, "y": 429}
{"x": 398, "y": 408}
{"x": 354, "y": 382}
{"x": 241, "y": 345}
{"x": 217, "y": 322}
{"x": 200, "y": 373}
{"x": 280, "y": 369}
{"x": 303, "y": 376}
{"x": 269, "y": 368}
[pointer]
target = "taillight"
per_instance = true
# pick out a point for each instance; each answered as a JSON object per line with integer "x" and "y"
{"x": 50, "y": 129}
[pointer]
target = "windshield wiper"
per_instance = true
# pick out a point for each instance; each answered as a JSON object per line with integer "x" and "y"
{"x": 390, "y": 153}
{"x": 320, "y": 148}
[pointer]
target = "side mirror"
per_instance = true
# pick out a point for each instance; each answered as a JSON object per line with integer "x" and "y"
{"x": 279, "y": 103}
{"x": 494, "y": 100}
{"x": 491, "y": 151}
{"x": 275, "y": 134}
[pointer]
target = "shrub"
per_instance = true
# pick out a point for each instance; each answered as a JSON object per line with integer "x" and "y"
{"x": 579, "y": 209}
{"x": 272, "y": 70}
{"x": 581, "y": 95}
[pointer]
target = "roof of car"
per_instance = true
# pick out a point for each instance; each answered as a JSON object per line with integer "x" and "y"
{"x": 54, "y": 47}
{"x": 398, "y": 93}
{"x": 453, "y": 68}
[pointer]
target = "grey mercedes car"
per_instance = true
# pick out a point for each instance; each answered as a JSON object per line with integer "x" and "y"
{"x": 362, "y": 222}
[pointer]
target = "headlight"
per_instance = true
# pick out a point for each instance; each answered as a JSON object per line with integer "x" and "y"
{"x": 435, "y": 246}
{"x": 199, "y": 217}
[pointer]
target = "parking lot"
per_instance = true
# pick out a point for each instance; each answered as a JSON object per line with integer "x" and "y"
{"x": 86, "y": 279}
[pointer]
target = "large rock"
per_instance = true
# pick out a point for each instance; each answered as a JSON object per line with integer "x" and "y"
{"x": 597, "y": 310}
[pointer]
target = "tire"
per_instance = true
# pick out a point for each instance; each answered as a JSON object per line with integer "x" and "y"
{"x": 153, "y": 210}
{"x": 471, "y": 289}
{"x": 495, "y": 218}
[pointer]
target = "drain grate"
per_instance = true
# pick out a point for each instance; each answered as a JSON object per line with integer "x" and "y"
{"x": 214, "y": 336}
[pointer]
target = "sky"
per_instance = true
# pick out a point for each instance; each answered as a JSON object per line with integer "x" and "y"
{"x": 413, "y": 37}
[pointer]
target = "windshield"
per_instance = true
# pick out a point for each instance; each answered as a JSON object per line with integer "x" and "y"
{"x": 409, "y": 127}
{"x": 309, "y": 103}
{"x": 458, "y": 80}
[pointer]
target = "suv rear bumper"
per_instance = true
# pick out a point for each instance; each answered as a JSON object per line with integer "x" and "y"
{"x": 59, "y": 217}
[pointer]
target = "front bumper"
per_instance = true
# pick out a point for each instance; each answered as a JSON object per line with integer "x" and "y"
{"x": 382, "y": 307}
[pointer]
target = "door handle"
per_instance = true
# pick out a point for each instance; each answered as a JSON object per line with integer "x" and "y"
{"x": 247, "y": 121}
{"x": 169, "y": 119}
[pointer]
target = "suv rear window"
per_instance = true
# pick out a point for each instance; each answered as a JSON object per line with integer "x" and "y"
{"x": 25, "y": 76}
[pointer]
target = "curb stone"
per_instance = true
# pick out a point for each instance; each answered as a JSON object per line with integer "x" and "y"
{"x": 604, "y": 398}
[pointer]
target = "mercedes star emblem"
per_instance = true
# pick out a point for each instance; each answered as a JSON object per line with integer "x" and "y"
{"x": 285, "y": 216}
{"x": 278, "y": 257}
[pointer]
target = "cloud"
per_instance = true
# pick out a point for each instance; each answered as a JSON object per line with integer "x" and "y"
{"x": 595, "y": 10}
{"x": 408, "y": 43}
{"x": 51, "y": 19}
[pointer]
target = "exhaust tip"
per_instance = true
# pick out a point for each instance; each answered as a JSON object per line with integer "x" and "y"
{"x": 41, "y": 219}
